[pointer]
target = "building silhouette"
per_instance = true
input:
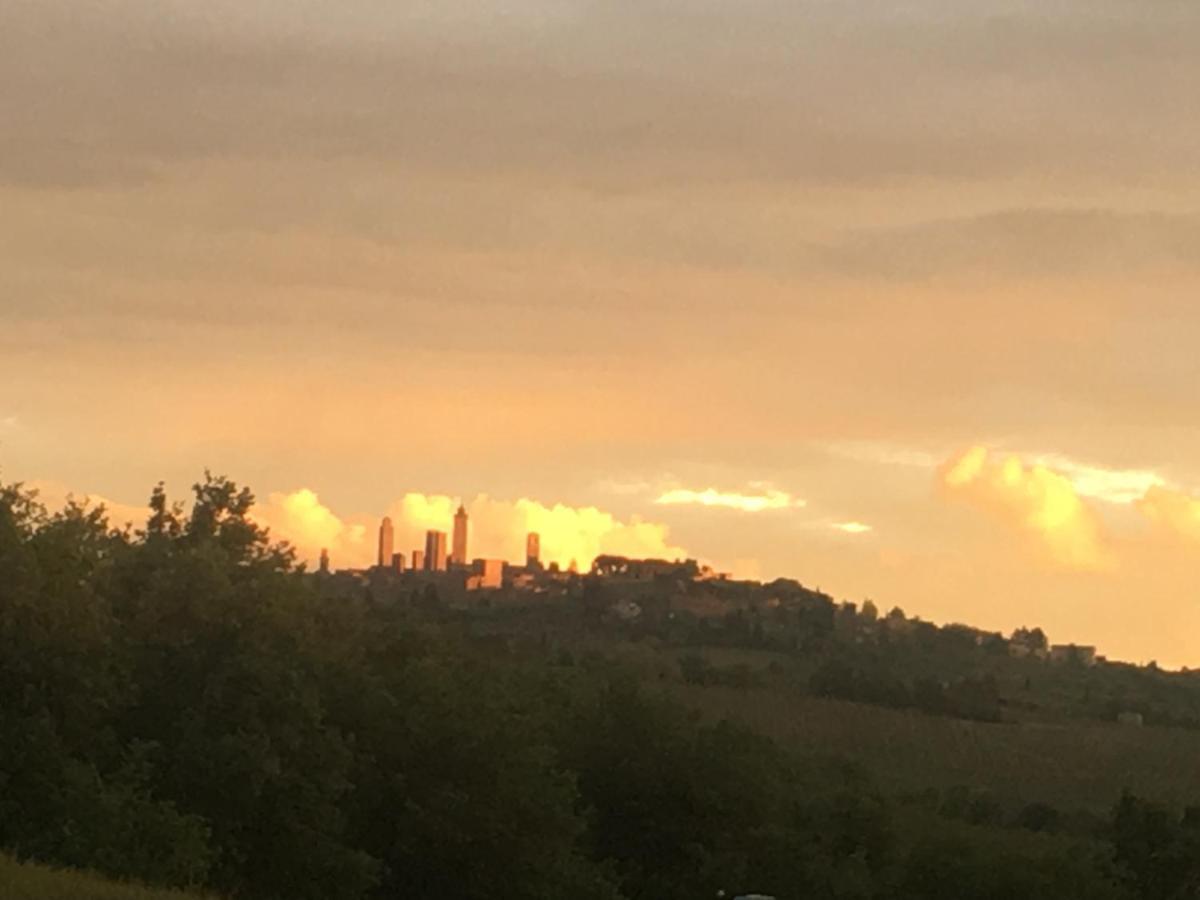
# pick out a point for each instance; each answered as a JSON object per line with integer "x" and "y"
{"x": 486, "y": 574}
{"x": 418, "y": 560}
{"x": 324, "y": 561}
{"x": 387, "y": 539}
{"x": 435, "y": 551}
{"x": 458, "y": 553}
{"x": 398, "y": 563}
{"x": 533, "y": 550}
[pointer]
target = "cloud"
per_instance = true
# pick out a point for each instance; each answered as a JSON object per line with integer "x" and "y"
{"x": 54, "y": 496}
{"x": 768, "y": 499}
{"x": 852, "y": 527}
{"x": 1121, "y": 486}
{"x": 310, "y": 526}
{"x": 1034, "y": 498}
{"x": 1172, "y": 510}
{"x": 497, "y": 529}
{"x": 952, "y": 92}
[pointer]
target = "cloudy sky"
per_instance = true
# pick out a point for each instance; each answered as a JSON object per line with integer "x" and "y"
{"x": 899, "y": 299}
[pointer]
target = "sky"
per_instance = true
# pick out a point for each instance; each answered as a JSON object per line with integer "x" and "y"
{"x": 897, "y": 299}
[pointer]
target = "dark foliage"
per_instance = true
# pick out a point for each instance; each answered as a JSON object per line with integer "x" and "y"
{"x": 179, "y": 705}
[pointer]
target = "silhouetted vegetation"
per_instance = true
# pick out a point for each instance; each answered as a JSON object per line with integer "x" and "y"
{"x": 179, "y": 705}
{"x": 964, "y": 698}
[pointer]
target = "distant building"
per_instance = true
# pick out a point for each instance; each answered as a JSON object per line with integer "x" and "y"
{"x": 488, "y": 574}
{"x": 324, "y": 564}
{"x": 435, "y": 551}
{"x": 1020, "y": 651}
{"x": 1061, "y": 653}
{"x": 524, "y": 581}
{"x": 398, "y": 563}
{"x": 644, "y": 569}
{"x": 387, "y": 540}
{"x": 533, "y": 550}
{"x": 418, "y": 560}
{"x": 458, "y": 553}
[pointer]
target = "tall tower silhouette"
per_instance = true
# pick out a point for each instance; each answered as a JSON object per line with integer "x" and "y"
{"x": 458, "y": 552}
{"x": 387, "y": 540}
{"x": 435, "y": 551}
{"x": 533, "y": 550}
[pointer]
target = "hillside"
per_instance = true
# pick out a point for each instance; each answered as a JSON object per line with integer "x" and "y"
{"x": 1018, "y": 763}
{"x": 27, "y": 881}
{"x": 1028, "y": 731}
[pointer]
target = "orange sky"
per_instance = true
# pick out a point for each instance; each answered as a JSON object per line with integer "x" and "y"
{"x": 899, "y": 300}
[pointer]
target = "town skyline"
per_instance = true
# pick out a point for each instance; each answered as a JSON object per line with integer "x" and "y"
{"x": 433, "y": 557}
{"x": 662, "y": 587}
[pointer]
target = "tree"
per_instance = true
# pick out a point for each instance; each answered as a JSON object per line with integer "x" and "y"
{"x": 1032, "y": 639}
{"x": 1160, "y": 858}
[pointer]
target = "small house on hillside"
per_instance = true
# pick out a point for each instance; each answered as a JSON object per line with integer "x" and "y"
{"x": 1063, "y": 653}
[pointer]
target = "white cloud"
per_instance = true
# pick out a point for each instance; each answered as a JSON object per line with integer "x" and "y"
{"x": 1123, "y": 486}
{"x": 767, "y": 500}
{"x": 852, "y": 527}
{"x": 310, "y": 526}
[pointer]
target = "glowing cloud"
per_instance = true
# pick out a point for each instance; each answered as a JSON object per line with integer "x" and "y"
{"x": 582, "y": 534}
{"x": 852, "y": 527}
{"x": 301, "y": 519}
{"x": 1173, "y": 510}
{"x": 53, "y": 495}
{"x": 1123, "y": 486}
{"x": 1034, "y": 497}
{"x": 770, "y": 499}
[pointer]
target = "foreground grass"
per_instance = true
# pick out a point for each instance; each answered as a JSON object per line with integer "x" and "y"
{"x": 27, "y": 881}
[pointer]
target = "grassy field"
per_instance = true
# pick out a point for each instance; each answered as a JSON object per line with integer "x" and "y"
{"x": 1075, "y": 765}
{"x": 25, "y": 881}
{"x": 1056, "y": 749}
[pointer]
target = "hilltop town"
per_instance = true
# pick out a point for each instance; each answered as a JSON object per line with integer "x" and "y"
{"x": 838, "y": 649}
{"x": 445, "y": 564}
{"x": 657, "y": 594}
